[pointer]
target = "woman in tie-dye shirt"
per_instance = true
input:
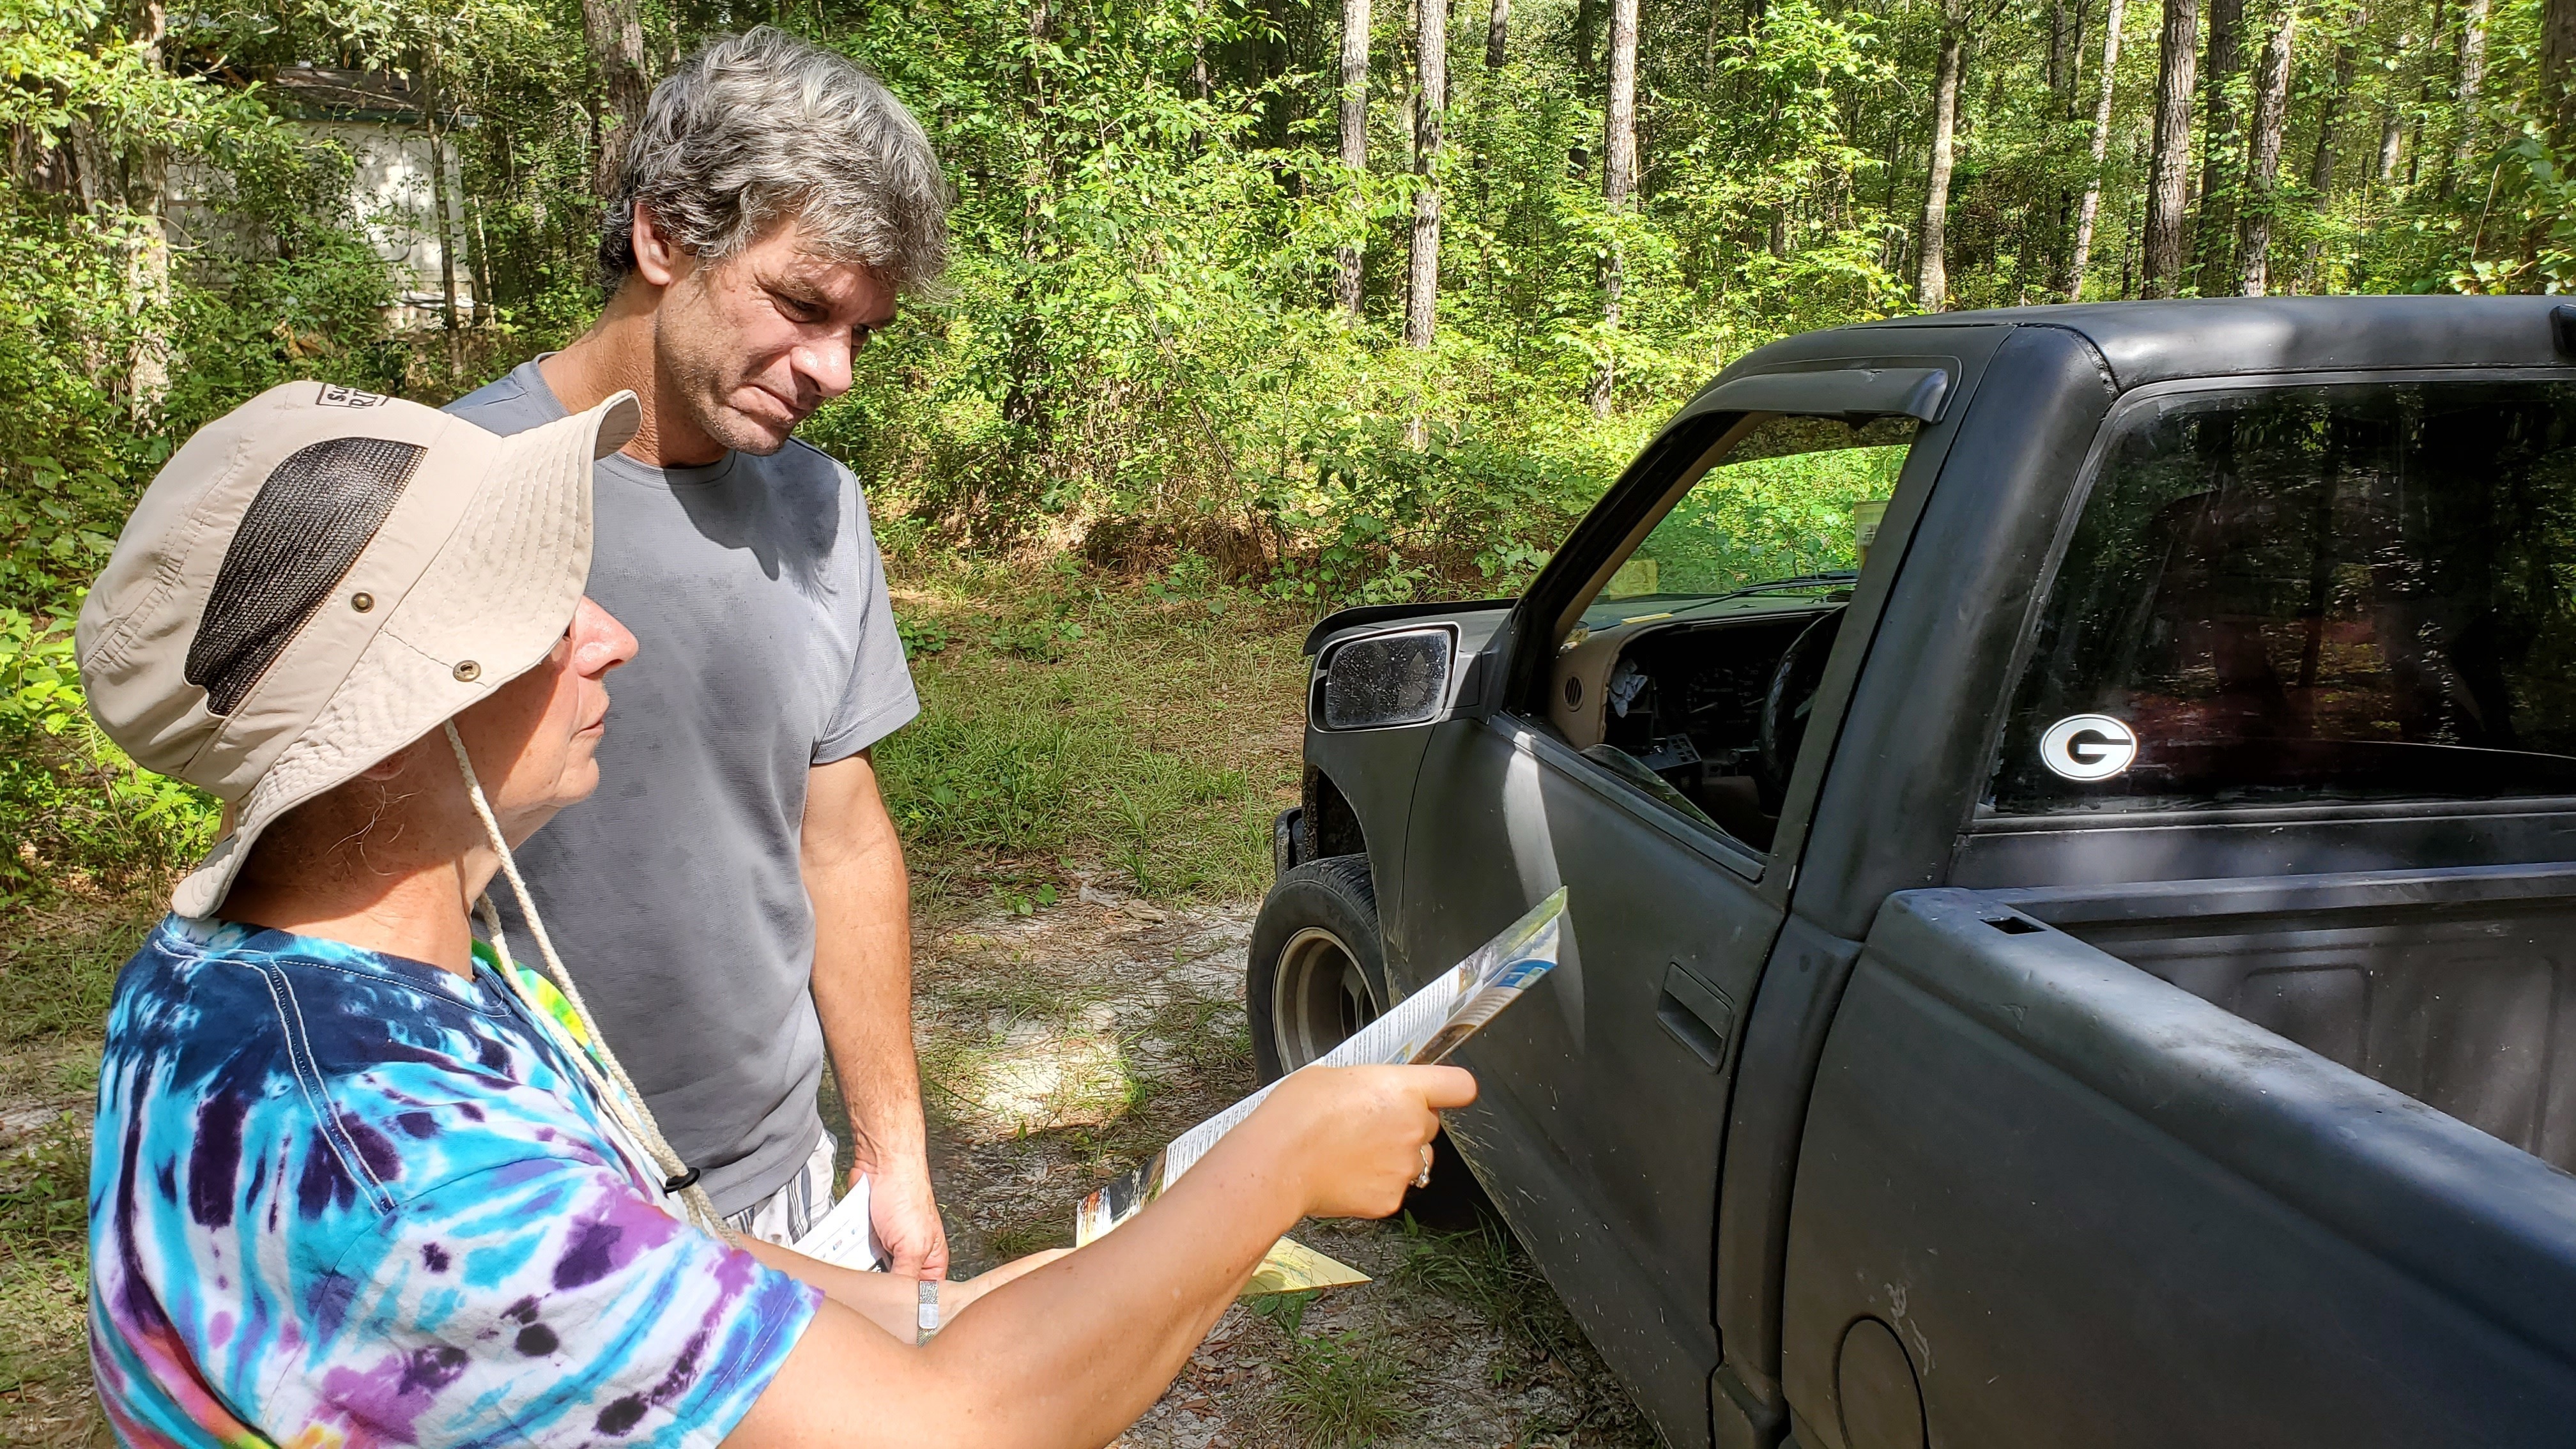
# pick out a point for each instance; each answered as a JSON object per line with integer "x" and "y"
{"x": 367, "y": 1198}
{"x": 362, "y": 1179}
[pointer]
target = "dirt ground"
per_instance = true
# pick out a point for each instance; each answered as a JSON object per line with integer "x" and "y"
{"x": 1063, "y": 1046}
{"x": 1059, "y": 1048}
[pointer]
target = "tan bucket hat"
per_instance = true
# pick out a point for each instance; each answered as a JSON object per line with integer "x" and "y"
{"x": 323, "y": 576}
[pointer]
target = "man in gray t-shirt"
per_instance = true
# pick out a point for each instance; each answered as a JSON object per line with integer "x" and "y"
{"x": 733, "y": 899}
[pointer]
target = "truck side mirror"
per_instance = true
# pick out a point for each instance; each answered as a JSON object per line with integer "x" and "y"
{"x": 1385, "y": 680}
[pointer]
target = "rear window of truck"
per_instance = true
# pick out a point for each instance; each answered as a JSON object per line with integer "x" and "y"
{"x": 2300, "y": 595}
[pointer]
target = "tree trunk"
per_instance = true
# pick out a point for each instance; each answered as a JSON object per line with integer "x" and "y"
{"x": 478, "y": 259}
{"x": 1932, "y": 283}
{"x": 1619, "y": 139}
{"x": 2171, "y": 175}
{"x": 2068, "y": 105}
{"x": 144, "y": 173}
{"x": 1278, "y": 105}
{"x": 2473, "y": 75}
{"x": 1587, "y": 28}
{"x": 1200, "y": 80}
{"x": 2092, "y": 208}
{"x": 1025, "y": 400}
{"x": 2214, "y": 239}
{"x": 2425, "y": 85}
{"x": 1408, "y": 60}
{"x": 615, "y": 32}
{"x": 1431, "y": 75}
{"x": 2058, "y": 47}
{"x": 1497, "y": 26}
{"x": 433, "y": 100}
{"x": 1618, "y": 184}
{"x": 2263, "y": 157}
{"x": 1355, "y": 76}
{"x": 2558, "y": 68}
{"x": 2347, "y": 64}
{"x": 2321, "y": 163}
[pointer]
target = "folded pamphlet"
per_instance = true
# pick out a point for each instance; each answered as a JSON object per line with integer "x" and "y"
{"x": 1422, "y": 1029}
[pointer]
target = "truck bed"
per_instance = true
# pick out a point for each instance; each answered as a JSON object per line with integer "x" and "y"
{"x": 2029, "y": 1156}
{"x": 2452, "y": 986}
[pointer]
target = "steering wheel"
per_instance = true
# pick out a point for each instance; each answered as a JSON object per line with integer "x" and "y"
{"x": 1785, "y": 707}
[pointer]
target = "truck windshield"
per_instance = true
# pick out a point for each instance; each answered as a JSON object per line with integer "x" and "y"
{"x": 1786, "y": 508}
{"x": 2280, "y": 596}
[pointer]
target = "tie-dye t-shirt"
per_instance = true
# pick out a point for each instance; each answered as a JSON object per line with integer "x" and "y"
{"x": 342, "y": 1198}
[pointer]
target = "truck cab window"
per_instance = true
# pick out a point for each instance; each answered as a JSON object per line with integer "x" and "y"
{"x": 2301, "y": 595}
{"x": 1690, "y": 671}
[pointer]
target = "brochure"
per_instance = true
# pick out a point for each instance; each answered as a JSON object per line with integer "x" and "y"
{"x": 1421, "y": 1030}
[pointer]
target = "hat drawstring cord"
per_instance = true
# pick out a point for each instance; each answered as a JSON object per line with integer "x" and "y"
{"x": 625, "y": 1101}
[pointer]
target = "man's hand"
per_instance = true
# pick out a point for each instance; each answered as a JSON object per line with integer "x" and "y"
{"x": 853, "y": 867}
{"x": 906, "y": 1219}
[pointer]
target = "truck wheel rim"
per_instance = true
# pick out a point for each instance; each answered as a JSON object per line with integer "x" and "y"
{"x": 1319, "y": 998}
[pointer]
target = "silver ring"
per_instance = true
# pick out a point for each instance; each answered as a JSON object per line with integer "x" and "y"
{"x": 1423, "y": 1178}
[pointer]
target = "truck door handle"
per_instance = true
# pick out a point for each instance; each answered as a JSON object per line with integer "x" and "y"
{"x": 1697, "y": 1015}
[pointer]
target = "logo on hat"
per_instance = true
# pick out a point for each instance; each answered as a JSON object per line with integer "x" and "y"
{"x": 336, "y": 396}
{"x": 2088, "y": 747}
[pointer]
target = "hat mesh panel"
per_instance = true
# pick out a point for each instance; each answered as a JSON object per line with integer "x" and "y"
{"x": 309, "y": 522}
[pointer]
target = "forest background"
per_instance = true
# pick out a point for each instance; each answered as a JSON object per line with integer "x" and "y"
{"x": 1298, "y": 298}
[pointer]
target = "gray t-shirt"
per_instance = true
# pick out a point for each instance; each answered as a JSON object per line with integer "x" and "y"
{"x": 767, "y": 647}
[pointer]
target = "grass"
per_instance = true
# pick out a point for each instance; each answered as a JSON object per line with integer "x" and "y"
{"x": 1033, "y": 995}
{"x": 1345, "y": 1390}
{"x": 44, "y": 1301}
{"x": 58, "y": 962}
{"x": 1483, "y": 1269}
{"x": 1207, "y": 1036}
{"x": 1145, "y": 750}
{"x": 1021, "y": 1239}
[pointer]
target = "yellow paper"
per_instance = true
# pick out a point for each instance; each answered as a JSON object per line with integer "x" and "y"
{"x": 1292, "y": 1267}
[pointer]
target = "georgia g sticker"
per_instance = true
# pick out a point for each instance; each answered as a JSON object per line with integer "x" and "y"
{"x": 2088, "y": 747}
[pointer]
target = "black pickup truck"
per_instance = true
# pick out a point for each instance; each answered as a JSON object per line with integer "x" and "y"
{"x": 2092, "y": 975}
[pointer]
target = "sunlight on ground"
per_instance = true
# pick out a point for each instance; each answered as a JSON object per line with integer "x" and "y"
{"x": 1035, "y": 1077}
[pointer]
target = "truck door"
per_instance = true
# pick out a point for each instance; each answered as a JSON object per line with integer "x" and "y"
{"x": 1643, "y": 760}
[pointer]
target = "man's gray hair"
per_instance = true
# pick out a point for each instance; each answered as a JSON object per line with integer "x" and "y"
{"x": 762, "y": 127}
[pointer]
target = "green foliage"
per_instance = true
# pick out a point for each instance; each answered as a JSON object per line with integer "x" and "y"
{"x": 1343, "y": 1390}
{"x": 1020, "y": 767}
{"x": 1131, "y": 351}
{"x": 69, "y": 454}
{"x": 919, "y": 637}
{"x": 1287, "y": 1311}
{"x": 70, "y": 798}
{"x": 121, "y": 330}
{"x": 1768, "y": 518}
{"x": 1136, "y": 358}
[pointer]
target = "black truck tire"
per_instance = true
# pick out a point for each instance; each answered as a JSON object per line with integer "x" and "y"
{"x": 1317, "y": 968}
{"x": 1320, "y": 924}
